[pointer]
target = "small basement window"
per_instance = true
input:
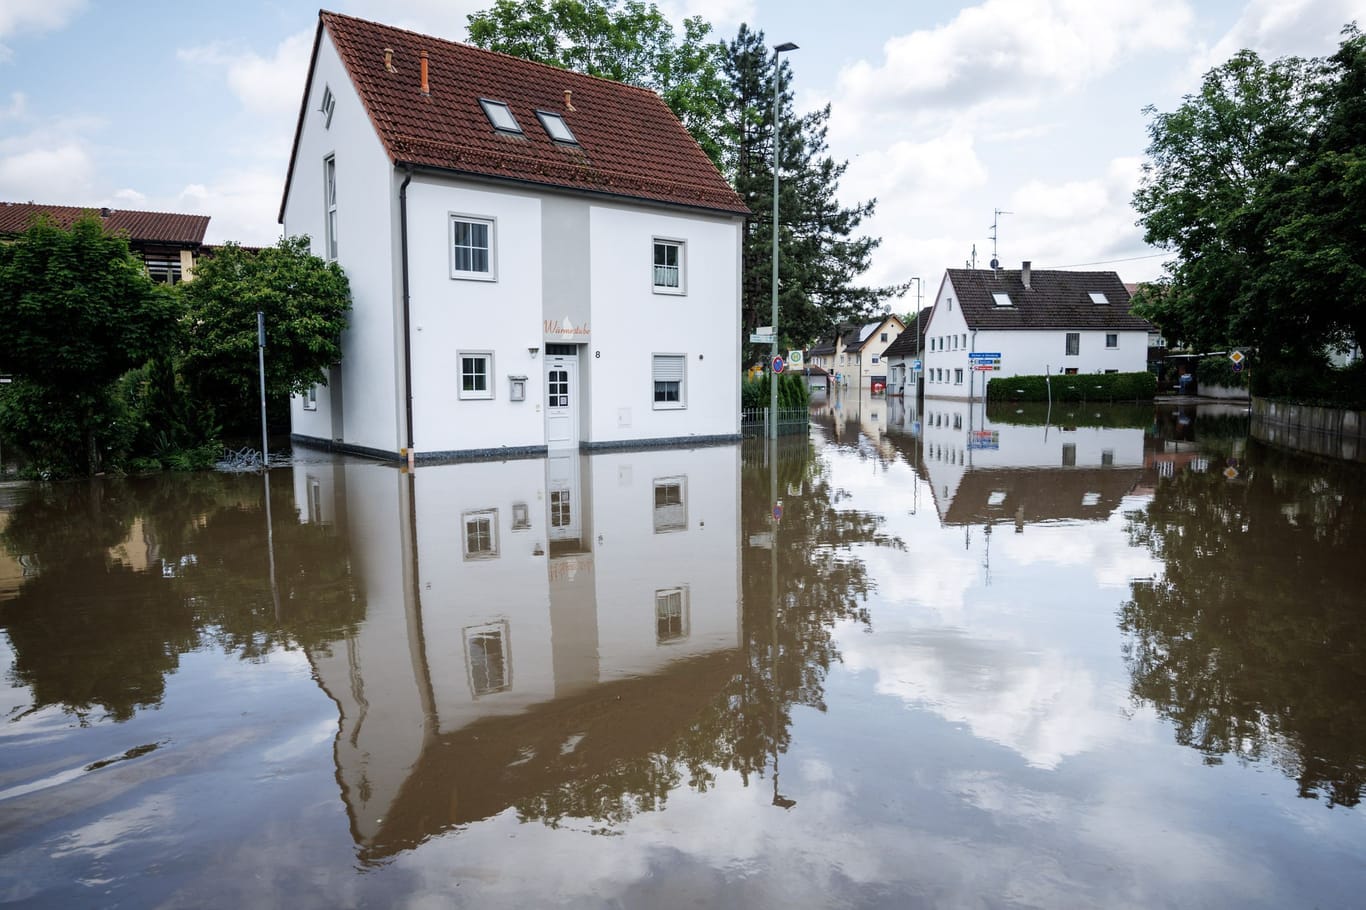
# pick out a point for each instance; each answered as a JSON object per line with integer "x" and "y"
{"x": 1098, "y": 297}
{"x": 500, "y": 115}
{"x": 556, "y": 127}
{"x": 1001, "y": 298}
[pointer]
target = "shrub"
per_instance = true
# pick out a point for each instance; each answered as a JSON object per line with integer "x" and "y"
{"x": 1219, "y": 371}
{"x": 1075, "y": 387}
{"x": 792, "y": 392}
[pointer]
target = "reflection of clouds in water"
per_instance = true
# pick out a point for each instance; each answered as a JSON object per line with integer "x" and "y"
{"x": 1037, "y": 703}
{"x": 1104, "y": 547}
{"x": 137, "y": 825}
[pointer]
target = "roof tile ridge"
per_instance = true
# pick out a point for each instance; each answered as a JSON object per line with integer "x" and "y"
{"x": 97, "y": 208}
{"x": 465, "y": 44}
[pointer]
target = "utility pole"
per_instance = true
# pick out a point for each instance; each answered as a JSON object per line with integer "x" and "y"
{"x": 261, "y": 363}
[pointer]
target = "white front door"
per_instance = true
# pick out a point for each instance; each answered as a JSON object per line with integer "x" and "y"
{"x": 562, "y": 489}
{"x": 561, "y": 401}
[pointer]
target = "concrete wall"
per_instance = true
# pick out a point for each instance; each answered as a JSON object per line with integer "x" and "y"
{"x": 1335, "y": 432}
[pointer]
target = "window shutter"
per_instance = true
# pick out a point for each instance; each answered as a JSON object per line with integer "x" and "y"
{"x": 668, "y": 368}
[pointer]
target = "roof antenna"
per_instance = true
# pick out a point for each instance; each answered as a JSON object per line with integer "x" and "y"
{"x": 995, "y": 222}
{"x": 972, "y": 263}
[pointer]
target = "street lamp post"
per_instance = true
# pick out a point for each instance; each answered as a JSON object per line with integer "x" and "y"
{"x": 778, "y": 50}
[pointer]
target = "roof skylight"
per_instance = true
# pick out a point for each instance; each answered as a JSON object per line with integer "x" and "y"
{"x": 555, "y": 126}
{"x": 500, "y": 115}
{"x": 1001, "y": 298}
{"x": 1098, "y": 297}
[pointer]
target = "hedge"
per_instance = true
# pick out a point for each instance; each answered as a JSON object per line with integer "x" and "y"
{"x": 1075, "y": 387}
{"x": 792, "y": 392}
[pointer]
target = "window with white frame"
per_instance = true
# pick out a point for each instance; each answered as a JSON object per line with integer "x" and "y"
{"x": 330, "y": 199}
{"x": 472, "y": 248}
{"x": 668, "y": 374}
{"x": 671, "y": 505}
{"x": 488, "y": 658}
{"x": 669, "y": 266}
{"x": 965, "y": 339}
{"x": 1112, "y": 339}
{"x": 476, "y": 374}
{"x": 1073, "y": 344}
{"x": 884, "y": 336}
{"x": 671, "y": 614}
{"x": 311, "y": 398}
{"x": 481, "y": 533}
{"x": 958, "y": 376}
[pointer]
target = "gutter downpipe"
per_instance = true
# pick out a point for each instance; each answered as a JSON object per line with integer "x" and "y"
{"x": 407, "y": 311}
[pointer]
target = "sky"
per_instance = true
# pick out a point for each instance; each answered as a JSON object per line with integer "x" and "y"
{"x": 946, "y": 112}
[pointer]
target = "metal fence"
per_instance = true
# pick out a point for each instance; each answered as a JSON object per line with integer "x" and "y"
{"x": 754, "y": 421}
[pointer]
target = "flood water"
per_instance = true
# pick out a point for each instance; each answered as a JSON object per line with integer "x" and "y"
{"x": 1007, "y": 657}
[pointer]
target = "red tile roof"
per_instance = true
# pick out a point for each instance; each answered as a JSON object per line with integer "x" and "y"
{"x": 629, "y": 142}
{"x": 140, "y": 227}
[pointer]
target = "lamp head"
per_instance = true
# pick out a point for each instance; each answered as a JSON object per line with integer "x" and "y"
{"x": 784, "y": 47}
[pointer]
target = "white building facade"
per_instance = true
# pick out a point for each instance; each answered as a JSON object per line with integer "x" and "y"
{"x": 1039, "y": 322}
{"x": 539, "y": 260}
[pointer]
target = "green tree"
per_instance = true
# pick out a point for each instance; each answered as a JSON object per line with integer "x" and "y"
{"x": 631, "y": 42}
{"x": 78, "y": 311}
{"x": 1313, "y": 213}
{"x": 1209, "y": 163}
{"x": 821, "y": 260}
{"x": 305, "y": 301}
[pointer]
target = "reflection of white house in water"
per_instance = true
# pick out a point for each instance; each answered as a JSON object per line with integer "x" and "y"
{"x": 983, "y": 471}
{"x": 519, "y": 614}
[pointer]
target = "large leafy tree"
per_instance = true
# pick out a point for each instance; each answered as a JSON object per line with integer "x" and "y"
{"x": 78, "y": 311}
{"x": 1209, "y": 162}
{"x": 305, "y": 301}
{"x": 628, "y": 41}
{"x": 821, "y": 258}
{"x": 1315, "y": 213}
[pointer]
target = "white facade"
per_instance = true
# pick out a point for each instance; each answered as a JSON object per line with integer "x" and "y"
{"x": 1024, "y": 352}
{"x": 566, "y": 333}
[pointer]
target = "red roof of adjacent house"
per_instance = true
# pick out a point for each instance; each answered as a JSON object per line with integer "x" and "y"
{"x": 141, "y": 227}
{"x": 629, "y": 142}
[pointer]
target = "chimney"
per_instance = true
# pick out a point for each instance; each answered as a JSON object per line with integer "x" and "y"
{"x": 104, "y": 212}
{"x": 422, "y": 60}
{"x": 1024, "y": 274}
{"x": 568, "y": 99}
{"x": 389, "y": 60}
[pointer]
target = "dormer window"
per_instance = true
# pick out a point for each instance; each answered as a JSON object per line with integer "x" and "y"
{"x": 500, "y": 115}
{"x": 327, "y": 107}
{"x": 1001, "y": 298}
{"x": 1098, "y": 297}
{"x": 556, "y": 127}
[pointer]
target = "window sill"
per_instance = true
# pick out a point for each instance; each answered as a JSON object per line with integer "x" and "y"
{"x": 670, "y": 406}
{"x": 671, "y": 292}
{"x": 473, "y": 276}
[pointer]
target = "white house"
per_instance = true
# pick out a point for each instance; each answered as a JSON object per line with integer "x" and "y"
{"x": 853, "y": 353}
{"x": 1037, "y": 321}
{"x": 538, "y": 259}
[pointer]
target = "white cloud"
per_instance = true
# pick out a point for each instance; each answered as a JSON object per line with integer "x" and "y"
{"x": 36, "y": 16}
{"x": 1011, "y": 50}
{"x": 264, "y": 85}
{"x": 1277, "y": 28}
{"x": 722, "y": 14}
{"x": 55, "y": 174}
{"x": 17, "y": 107}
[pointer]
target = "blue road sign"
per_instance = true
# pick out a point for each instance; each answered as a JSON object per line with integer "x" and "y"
{"x": 778, "y": 364}
{"x": 984, "y": 355}
{"x": 778, "y": 512}
{"x": 915, "y": 365}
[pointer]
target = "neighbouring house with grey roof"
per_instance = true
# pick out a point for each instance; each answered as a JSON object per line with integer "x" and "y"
{"x": 853, "y": 353}
{"x": 902, "y": 354}
{"x": 1038, "y": 321}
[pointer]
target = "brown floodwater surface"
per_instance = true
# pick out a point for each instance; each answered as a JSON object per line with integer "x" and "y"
{"x": 1086, "y": 656}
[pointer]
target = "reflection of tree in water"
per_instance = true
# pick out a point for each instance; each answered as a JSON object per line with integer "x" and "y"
{"x": 1252, "y": 641}
{"x": 784, "y": 658}
{"x": 130, "y": 574}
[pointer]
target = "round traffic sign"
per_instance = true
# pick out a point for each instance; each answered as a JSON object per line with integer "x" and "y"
{"x": 778, "y": 364}
{"x": 778, "y": 512}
